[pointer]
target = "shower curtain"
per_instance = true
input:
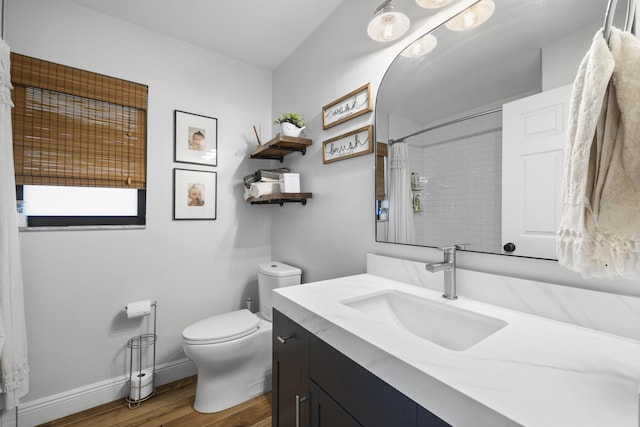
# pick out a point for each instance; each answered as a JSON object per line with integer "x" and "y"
{"x": 401, "y": 228}
{"x": 14, "y": 369}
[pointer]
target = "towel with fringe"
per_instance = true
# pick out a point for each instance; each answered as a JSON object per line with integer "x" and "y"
{"x": 599, "y": 234}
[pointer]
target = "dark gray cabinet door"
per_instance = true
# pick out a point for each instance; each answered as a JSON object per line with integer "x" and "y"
{"x": 290, "y": 372}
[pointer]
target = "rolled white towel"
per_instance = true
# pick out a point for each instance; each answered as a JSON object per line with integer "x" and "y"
{"x": 259, "y": 189}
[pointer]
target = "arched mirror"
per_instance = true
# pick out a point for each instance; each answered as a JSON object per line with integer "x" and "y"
{"x": 478, "y": 124}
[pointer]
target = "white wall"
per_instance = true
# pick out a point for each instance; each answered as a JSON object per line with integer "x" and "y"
{"x": 561, "y": 58}
{"x": 462, "y": 195}
{"x": 329, "y": 237}
{"x": 77, "y": 283}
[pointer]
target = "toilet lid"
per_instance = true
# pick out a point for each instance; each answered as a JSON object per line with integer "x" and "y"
{"x": 278, "y": 269}
{"x": 221, "y": 328}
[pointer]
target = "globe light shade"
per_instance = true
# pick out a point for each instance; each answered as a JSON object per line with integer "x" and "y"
{"x": 388, "y": 25}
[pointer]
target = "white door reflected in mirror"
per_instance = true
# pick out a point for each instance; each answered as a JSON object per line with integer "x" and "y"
{"x": 534, "y": 134}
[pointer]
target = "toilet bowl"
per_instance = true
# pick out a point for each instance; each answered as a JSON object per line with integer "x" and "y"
{"x": 232, "y": 354}
{"x": 232, "y": 351}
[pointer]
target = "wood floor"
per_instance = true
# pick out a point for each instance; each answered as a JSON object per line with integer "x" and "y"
{"x": 172, "y": 406}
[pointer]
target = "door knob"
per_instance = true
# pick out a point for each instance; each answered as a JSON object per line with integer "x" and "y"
{"x": 509, "y": 247}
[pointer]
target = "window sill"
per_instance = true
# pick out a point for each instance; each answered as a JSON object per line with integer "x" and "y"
{"x": 83, "y": 228}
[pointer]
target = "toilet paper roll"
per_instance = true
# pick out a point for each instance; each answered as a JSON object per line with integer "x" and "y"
{"x": 138, "y": 309}
{"x": 141, "y": 384}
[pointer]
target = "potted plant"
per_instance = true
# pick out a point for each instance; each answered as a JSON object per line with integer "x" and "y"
{"x": 291, "y": 124}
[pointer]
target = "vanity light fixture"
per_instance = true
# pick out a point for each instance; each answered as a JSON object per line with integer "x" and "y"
{"x": 387, "y": 25}
{"x": 420, "y": 47}
{"x": 433, "y": 4}
{"x": 472, "y": 16}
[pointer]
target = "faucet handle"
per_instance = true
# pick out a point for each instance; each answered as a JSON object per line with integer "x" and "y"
{"x": 454, "y": 247}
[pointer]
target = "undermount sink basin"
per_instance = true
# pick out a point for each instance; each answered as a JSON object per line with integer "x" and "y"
{"x": 450, "y": 327}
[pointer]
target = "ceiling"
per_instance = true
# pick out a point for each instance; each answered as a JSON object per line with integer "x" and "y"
{"x": 262, "y": 33}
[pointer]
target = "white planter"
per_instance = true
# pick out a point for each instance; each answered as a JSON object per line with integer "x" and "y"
{"x": 289, "y": 129}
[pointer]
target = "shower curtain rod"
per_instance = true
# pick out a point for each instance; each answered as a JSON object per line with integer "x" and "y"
{"x": 441, "y": 125}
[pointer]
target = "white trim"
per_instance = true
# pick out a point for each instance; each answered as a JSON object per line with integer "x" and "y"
{"x": 79, "y": 399}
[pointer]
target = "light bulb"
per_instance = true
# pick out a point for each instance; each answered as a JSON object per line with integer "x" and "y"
{"x": 472, "y": 16}
{"x": 469, "y": 19}
{"x": 387, "y": 33}
{"x": 420, "y": 47}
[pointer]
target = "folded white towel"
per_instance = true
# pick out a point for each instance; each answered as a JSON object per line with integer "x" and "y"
{"x": 259, "y": 189}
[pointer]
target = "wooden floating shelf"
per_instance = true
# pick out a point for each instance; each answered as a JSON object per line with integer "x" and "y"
{"x": 280, "y": 146}
{"x": 281, "y": 199}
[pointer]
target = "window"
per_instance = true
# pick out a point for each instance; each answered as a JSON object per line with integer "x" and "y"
{"x": 79, "y": 140}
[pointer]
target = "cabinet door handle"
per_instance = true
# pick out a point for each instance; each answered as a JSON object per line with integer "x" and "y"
{"x": 283, "y": 340}
{"x": 299, "y": 400}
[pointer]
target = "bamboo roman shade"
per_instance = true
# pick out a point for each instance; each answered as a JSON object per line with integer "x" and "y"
{"x": 74, "y": 127}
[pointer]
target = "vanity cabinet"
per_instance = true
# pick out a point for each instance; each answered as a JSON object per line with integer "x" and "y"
{"x": 332, "y": 389}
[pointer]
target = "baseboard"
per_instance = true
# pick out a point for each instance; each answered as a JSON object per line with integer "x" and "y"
{"x": 69, "y": 402}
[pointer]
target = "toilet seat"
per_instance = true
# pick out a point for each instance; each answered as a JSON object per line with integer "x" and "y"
{"x": 221, "y": 328}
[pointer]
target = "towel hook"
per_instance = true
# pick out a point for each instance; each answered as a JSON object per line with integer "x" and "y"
{"x": 2, "y": 22}
{"x": 608, "y": 18}
{"x": 629, "y": 22}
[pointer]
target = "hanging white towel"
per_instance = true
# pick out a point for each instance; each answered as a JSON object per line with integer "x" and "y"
{"x": 599, "y": 233}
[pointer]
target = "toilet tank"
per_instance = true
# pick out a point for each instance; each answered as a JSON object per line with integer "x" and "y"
{"x": 272, "y": 275}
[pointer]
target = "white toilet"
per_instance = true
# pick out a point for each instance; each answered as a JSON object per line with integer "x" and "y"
{"x": 232, "y": 351}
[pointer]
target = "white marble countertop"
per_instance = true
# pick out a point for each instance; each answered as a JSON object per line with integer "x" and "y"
{"x": 533, "y": 372}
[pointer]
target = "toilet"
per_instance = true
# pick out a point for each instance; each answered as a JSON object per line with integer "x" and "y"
{"x": 232, "y": 351}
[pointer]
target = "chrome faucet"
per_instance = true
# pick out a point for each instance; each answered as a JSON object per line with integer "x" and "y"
{"x": 448, "y": 265}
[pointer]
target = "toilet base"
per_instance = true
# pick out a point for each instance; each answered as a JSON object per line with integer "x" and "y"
{"x": 215, "y": 399}
{"x": 235, "y": 372}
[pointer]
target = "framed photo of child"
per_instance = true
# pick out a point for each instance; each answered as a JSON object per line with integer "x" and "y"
{"x": 195, "y": 138}
{"x": 194, "y": 194}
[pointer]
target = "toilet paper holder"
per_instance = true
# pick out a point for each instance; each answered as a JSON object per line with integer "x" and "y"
{"x": 141, "y": 379}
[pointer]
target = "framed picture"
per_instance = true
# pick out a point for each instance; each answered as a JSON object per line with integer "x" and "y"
{"x": 351, "y": 144}
{"x": 351, "y": 105}
{"x": 194, "y": 194}
{"x": 195, "y": 139}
